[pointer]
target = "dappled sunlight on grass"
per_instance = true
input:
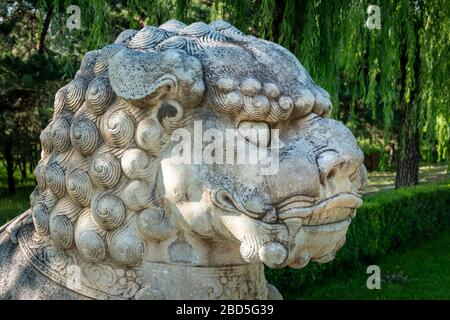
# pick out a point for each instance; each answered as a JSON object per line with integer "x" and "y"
{"x": 427, "y": 173}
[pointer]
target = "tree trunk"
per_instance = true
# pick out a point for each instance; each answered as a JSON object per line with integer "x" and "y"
{"x": 23, "y": 167}
{"x": 408, "y": 156}
{"x": 31, "y": 162}
{"x": 408, "y": 151}
{"x": 45, "y": 26}
{"x": 9, "y": 166}
{"x": 278, "y": 18}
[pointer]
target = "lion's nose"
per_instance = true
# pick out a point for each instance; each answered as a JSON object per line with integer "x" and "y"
{"x": 340, "y": 168}
{"x": 297, "y": 175}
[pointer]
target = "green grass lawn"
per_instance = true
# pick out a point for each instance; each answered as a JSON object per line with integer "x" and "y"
{"x": 417, "y": 273}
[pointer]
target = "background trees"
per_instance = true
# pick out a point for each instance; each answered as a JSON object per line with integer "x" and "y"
{"x": 28, "y": 75}
{"x": 390, "y": 86}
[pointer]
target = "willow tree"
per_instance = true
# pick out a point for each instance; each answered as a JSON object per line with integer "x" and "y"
{"x": 404, "y": 71}
{"x": 395, "y": 78}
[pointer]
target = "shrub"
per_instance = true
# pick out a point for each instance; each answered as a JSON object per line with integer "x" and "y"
{"x": 388, "y": 221}
{"x": 369, "y": 147}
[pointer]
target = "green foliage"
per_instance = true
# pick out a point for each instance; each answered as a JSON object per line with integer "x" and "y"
{"x": 28, "y": 182}
{"x": 369, "y": 147}
{"x": 329, "y": 37}
{"x": 29, "y": 77}
{"x": 13, "y": 205}
{"x": 443, "y": 137}
{"x": 266, "y": 23}
{"x": 387, "y": 222}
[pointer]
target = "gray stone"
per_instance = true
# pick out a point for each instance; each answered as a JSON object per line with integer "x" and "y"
{"x": 180, "y": 161}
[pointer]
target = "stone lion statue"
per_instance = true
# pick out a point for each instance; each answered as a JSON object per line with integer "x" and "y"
{"x": 117, "y": 215}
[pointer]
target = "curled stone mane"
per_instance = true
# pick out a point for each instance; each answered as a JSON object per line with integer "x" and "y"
{"x": 97, "y": 171}
{"x": 96, "y": 178}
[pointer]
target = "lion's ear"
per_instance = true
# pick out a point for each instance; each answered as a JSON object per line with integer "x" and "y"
{"x": 145, "y": 78}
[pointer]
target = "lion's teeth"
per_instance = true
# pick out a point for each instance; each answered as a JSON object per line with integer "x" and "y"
{"x": 329, "y": 216}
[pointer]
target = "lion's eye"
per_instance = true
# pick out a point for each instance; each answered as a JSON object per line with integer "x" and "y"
{"x": 257, "y": 133}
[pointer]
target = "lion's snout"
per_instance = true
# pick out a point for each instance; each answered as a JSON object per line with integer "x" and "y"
{"x": 313, "y": 197}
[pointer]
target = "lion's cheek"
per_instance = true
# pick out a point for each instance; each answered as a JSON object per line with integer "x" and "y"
{"x": 195, "y": 217}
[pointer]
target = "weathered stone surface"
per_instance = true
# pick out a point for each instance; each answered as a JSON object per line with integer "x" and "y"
{"x": 120, "y": 213}
{"x": 20, "y": 280}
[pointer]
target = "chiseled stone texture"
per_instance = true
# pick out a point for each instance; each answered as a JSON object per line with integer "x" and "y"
{"x": 19, "y": 280}
{"x": 116, "y": 215}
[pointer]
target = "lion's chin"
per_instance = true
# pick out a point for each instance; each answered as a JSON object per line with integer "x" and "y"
{"x": 318, "y": 242}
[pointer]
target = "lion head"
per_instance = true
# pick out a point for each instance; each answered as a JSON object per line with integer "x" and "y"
{"x": 111, "y": 187}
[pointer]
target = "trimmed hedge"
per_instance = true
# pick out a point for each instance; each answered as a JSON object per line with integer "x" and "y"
{"x": 388, "y": 221}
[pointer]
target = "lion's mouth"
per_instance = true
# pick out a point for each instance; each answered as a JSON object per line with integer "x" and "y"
{"x": 339, "y": 208}
{"x": 299, "y": 227}
{"x": 332, "y": 210}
